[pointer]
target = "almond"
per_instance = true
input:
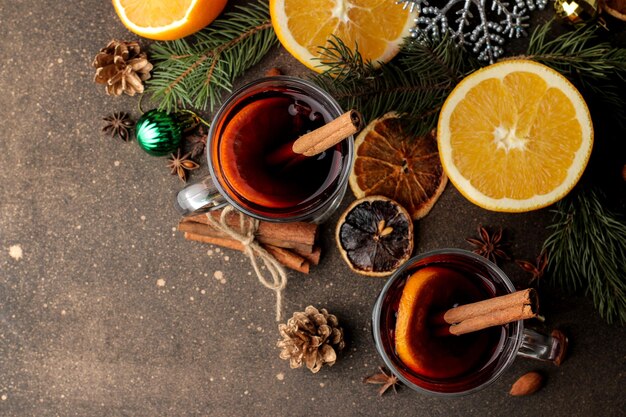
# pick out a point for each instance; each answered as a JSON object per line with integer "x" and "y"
{"x": 272, "y": 72}
{"x": 527, "y": 384}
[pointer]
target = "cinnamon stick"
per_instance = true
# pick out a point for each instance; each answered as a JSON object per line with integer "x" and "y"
{"x": 288, "y": 258}
{"x": 313, "y": 257}
{"x": 495, "y": 311}
{"x": 301, "y": 233}
{"x": 329, "y": 135}
{"x": 207, "y": 230}
{"x": 285, "y": 257}
{"x": 319, "y": 140}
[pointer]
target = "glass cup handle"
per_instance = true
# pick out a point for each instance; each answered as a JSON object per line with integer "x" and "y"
{"x": 199, "y": 197}
{"x": 539, "y": 346}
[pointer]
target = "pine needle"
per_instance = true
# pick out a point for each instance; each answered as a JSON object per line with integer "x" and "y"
{"x": 594, "y": 66}
{"x": 195, "y": 72}
{"x": 587, "y": 250}
{"x": 415, "y": 84}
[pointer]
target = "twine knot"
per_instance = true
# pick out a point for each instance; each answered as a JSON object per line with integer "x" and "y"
{"x": 246, "y": 234}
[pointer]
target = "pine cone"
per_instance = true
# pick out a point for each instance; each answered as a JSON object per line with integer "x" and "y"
{"x": 311, "y": 337}
{"x": 122, "y": 67}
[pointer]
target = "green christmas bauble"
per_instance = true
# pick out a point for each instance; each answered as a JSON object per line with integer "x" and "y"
{"x": 158, "y": 133}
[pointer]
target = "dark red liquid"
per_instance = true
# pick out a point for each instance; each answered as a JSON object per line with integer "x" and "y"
{"x": 253, "y": 131}
{"x": 446, "y": 363}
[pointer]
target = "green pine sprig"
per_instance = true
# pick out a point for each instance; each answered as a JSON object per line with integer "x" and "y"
{"x": 194, "y": 72}
{"x": 595, "y": 66}
{"x": 415, "y": 84}
{"x": 587, "y": 250}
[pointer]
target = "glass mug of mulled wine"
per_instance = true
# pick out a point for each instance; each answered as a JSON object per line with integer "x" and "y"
{"x": 250, "y": 126}
{"x": 442, "y": 364}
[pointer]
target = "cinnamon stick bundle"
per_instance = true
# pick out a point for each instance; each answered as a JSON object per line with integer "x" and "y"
{"x": 283, "y": 256}
{"x": 296, "y": 235}
{"x": 496, "y": 311}
{"x": 292, "y": 244}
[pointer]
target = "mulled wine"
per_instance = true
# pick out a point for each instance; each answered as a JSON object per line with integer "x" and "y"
{"x": 418, "y": 342}
{"x": 252, "y": 165}
{"x": 408, "y": 333}
{"x": 255, "y": 127}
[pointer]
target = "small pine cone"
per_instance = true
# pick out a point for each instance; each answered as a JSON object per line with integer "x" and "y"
{"x": 122, "y": 67}
{"x": 311, "y": 337}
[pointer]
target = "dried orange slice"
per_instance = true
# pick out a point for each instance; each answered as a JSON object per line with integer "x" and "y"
{"x": 167, "y": 20}
{"x": 376, "y": 27}
{"x": 390, "y": 161}
{"x": 514, "y": 136}
{"x": 375, "y": 236}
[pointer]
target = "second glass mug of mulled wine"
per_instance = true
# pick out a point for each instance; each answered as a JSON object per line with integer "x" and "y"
{"x": 245, "y": 132}
{"x": 448, "y": 365}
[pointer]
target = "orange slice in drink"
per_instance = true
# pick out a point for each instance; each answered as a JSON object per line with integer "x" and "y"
{"x": 245, "y": 140}
{"x": 418, "y": 346}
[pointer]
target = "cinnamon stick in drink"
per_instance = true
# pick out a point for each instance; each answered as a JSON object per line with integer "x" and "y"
{"x": 319, "y": 140}
{"x": 495, "y": 311}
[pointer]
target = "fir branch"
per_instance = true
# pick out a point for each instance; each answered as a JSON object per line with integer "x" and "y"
{"x": 596, "y": 67}
{"x": 195, "y": 72}
{"x": 587, "y": 250}
{"x": 415, "y": 84}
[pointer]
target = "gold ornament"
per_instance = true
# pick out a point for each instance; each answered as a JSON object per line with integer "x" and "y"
{"x": 311, "y": 337}
{"x": 577, "y": 11}
{"x": 122, "y": 67}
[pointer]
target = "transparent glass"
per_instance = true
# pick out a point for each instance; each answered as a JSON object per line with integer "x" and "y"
{"x": 513, "y": 338}
{"x": 218, "y": 189}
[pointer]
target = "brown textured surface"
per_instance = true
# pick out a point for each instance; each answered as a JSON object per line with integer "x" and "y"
{"x": 110, "y": 312}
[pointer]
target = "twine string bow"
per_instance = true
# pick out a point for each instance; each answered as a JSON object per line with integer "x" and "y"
{"x": 246, "y": 235}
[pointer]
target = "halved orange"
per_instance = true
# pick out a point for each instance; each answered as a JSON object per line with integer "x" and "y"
{"x": 376, "y": 27}
{"x": 393, "y": 162}
{"x": 167, "y": 20}
{"x": 514, "y": 136}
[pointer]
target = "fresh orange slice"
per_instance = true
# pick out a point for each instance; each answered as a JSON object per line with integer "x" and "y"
{"x": 393, "y": 162}
{"x": 376, "y": 27}
{"x": 514, "y": 136}
{"x": 167, "y": 20}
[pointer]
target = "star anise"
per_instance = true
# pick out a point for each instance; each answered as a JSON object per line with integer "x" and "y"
{"x": 490, "y": 246}
{"x": 181, "y": 164}
{"x": 383, "y": 378}
{"x": 197, "y": 142}
{"x": 118, "y": 125}
{"x": 537, "y": 269}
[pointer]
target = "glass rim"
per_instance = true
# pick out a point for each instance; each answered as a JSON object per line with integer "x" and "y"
{"x": 508, "y": 353}
{"x": 322, "y": 96}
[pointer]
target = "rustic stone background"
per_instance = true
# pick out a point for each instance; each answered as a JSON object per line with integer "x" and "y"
{"x": 105, "y": 310}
